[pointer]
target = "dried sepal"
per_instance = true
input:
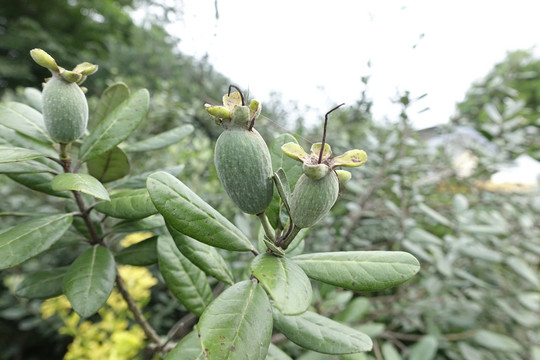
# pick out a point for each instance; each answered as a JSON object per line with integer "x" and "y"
{"x": 295, "y": 151}
{"x": 352, "y": 158}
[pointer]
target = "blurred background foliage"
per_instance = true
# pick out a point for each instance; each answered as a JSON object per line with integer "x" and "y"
{"x": 427, "y": 192}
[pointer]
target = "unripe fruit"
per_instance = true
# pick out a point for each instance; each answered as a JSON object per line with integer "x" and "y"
{"x": 244, "y": 168}
{"x": 65, "y": 110}
{"x": 313, "y": 198}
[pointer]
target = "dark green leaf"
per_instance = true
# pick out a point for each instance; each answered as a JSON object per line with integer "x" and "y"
{"x": 90, "y": 280}
{"x": 25, "y": 167}
{"x": 131, "y": 226}
{"x": 139, "y": 181}
{"x": 16, "y": 154}
{"x": 192, "y": 216}
{"x": 360, "y": 270}
{"x": 162, "y": 140}
{"x": 238, "y": 324}
{"x": 283, "y": 187}
{"x": 42, "y": 285}
{"x": 143, "y": 253}
{"x": 189, "y": 348}
{"x": 31, "y": 238}
{"x": 109, "y": 166}
{"x": 128, "y": 204}
{"x": 425, "y": 349}
{"x": 10, "y": 137}
{"x": 40, "y": 182}
{"x": 113, "y": 96}
{"x": 186, "y": 282}
{"x": 316, "y": 332}
{"x": 117, "y": 126}
{"x": 285, "y": 281}
{"x": 24, "y": 119}
{"x": 80, "y": 182}
{"x": 206, "y": 257}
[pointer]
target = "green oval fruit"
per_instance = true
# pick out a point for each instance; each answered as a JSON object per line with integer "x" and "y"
{"x": 65, "y": 110}
{"x": 313, "y": 198}
{"x": 244, "y": 169}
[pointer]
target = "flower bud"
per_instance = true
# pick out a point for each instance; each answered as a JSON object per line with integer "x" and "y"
{"x": 43, "y": 59}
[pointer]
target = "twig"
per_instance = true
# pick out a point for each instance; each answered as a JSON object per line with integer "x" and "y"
{"x": 377, "y": 350}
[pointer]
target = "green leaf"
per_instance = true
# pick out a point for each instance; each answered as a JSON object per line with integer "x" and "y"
{"x": 16, "y": 154}
{"x": 238, "y": 324}
{"x": 10, "y": 137}
{"x": 389, "y": 352}
{"x": 523, "y": 269}
{"x": 24, "y": 119}
{"x": 90, "y": 280}
{"x": 495, "y": 341}
{"x": 434, "y": 214}
{"x": 360, "y": 270}
{"x": 34, "y": 98}
{"x": 318, "y": 333}
{"x": 354, "y": 311}
{"x": 192, "y": 216}
{"x": 113, "y": 96}
{"x": 275, "y": 353}
{"x": 425, "y": 349}
{"x": 139, "y": 181}
{"x": 189, "y": 348}
{"x": 40, "y": 182}
{"x": 109, "y": 166}
{"x": 80, "y": 182}
{"x": 468, "y": 352}
{"x": 205, "y": 257}
{"x": 185, "y": 281}
{"x": 25, "y": 167}
{"x": 117, "y": 126}
{"x": 160, "y": 141}
{"x": 42, "y": 285}
{"x": 31, "y": 238}
{"x": 282, "y": 186}
{"x": 128, "y": 204}
{"x": 132, "y": 226}
{"x": 143, "y": 253}
{"x": 421, "y": 236}
{"x": 285, "y": 281}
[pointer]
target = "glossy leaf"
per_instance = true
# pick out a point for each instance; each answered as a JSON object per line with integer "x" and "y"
{"x": 192, "y": 216}
{"x": 113, "y": 96}
{"x": 360, "y": 270}
{"x": 90, "y": 280}
{"x": 318, "y": 333}
{"x": 285, "y": 281}
{"x": 185, "y": 281}
{"x": 109, "y": 166}
{"x": 132, "y": 226}
{"x": 16, "y": 154}
{"x": 24, "y": 119}
{"x": 238, "y": 324}
{"x": 80, "y": 182}
{"x": 425, "y": 349}
{"x": 25, "y": 167}
{"x": 143, "y": 253}
{"x": 42, "y": 285}
{"x": 10, "y": 137}
{"x": 275, "y": 353}
{"x": 162, "y": 140}
{"x": 139, "y": 181}
{"x": 40, "y": 182}
{"x": 116, "y": 126}
{"x": 31, "y": 238}
{"x": 205, "y": 257}
{"x": 128, "y": 204}
{"x": 189, "y": 348}
{"x": 495, "y": 341}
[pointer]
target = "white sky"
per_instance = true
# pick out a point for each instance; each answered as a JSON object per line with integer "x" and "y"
{"x": 300, "y": 47}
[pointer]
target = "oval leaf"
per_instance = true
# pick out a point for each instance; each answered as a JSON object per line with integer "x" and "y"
{"x": 117, "y": 126}
{"x": 113, "y": 96}
{"x": 238, "y": 324}
{"x": 42, "y": 285}
{"x": 143, "y": 253}
{"x": 128, "y": 204}
{"x": 162, "y": 140}
{"x": 80, "y": 182}
{"x": 39, "y": 182}
{"x": 31, "y": 238}
{"x": 425, "y": 349}
{"x": 109, "y": 166}
{"x": 192, "y": 216}
{"x": 318, "y": 333}
{"x": 285, "y": 281}
{"x": 206, "y": 257}
{"x": 24, "y": 119}
{"x": 360, "y": 270}
{"x": 16, "y": 154}
{"x": 523, "y": 269}
{"x": 189, "y": 348}
{"x": 185, "y": 281}
{"x": 90, "y": 280}
{"x": 495, "y": 341}
{"x": 275, "y": 353}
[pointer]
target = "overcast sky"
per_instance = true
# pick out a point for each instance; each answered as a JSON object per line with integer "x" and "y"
{"x": 316, "y": 52}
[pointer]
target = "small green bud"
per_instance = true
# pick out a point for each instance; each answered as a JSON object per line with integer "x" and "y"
{"x": 218, "y": 112}
{"x": 86, "y": 68}
{"x": 343, "y": 176}
{"x": 43, "y": 59}
{"x": 71, "y": 76}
